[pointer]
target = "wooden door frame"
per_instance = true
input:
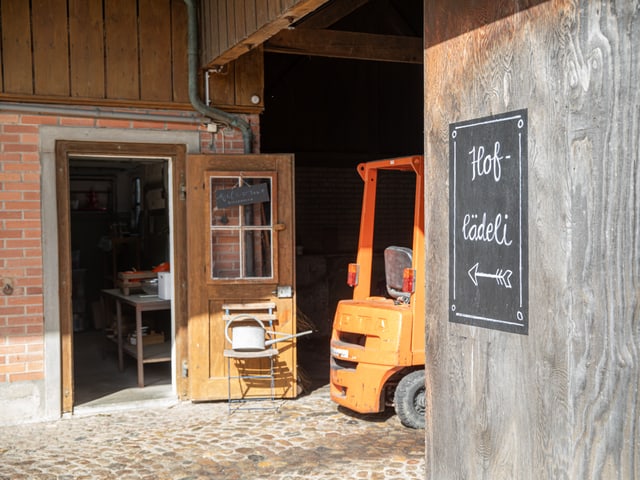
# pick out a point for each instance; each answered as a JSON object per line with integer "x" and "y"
{"x": 177, "y": 155}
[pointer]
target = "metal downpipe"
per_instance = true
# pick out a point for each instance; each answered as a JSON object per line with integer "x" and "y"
{"x": 215, "y": 114}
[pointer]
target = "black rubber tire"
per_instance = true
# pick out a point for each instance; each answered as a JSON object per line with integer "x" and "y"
{"x": 410, "y": 400}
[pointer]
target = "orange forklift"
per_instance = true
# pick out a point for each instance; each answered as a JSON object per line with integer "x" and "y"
{"x": 378, "y": 338}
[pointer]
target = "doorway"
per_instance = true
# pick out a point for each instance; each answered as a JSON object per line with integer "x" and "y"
{"x": 119, "y": 223}
{"x": 118, "y": 211}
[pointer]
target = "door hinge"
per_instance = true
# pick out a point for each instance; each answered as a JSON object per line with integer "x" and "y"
{"x": 183, "y": 191}
{"x": 185, "y": 369}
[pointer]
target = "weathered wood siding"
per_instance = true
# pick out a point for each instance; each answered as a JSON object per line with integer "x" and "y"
{"x": 232, "y": 27}
{"x": 118, "y": 51}
{"x": 561, "y": 402}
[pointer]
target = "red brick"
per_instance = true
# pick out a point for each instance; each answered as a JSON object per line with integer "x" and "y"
{"x": 9, "y": 118}
{"x": 24, "y": 244}
{"x": 22, "y": 186}
{"x": 24, "y": 377}
{"x": 10, "y": 177}
{"x": 21, "y": 300}
{"x": 7, "y": 195}
{"x": 24, "y": 339}
{"x": 31, "y": 157}
{"x": 20, "y": 147}
{"x": 77, "y": 121}
{"x": 34, "y": 233}
{"x": 11, "y": 252}
{"x": 35, "y": 348}
{"x": 35, "y": 366}
{"x": 22, "y": 205}
{"x": 35, "y": 329}
{"x": 10, "y": 157}
{"x": 21, "y": 167}
{"x": 12, "y": 368}
{"x": 12, "y": 310}
{"x": 30, "y": 177}
{"x": 24, "y": 320}
{"x": 20, "y": 128}
{"x": 39, "y": 120}
{"x": 22, "y": 224}
{"x": 31, "y": 214}
{"x": 4, "y": 233}
{"x": 12, "y": 333}
{"x": 9, "y": 138}
{"x": 30, "y": 138}
{"x": 31, "y": 195}
{"x": 182, "y": 126}
{"x": 12, "y": 349}
{"x": 113, "y": 123}
{"x": 33, "y": 309}
{"x": 23, "y": 357}
{"x": 148, "y": 125}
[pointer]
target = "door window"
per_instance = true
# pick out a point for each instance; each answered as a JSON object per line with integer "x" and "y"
{"x": 241, "y": 222}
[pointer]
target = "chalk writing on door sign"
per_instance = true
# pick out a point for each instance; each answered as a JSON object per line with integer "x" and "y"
{"x": 488, "y": 222}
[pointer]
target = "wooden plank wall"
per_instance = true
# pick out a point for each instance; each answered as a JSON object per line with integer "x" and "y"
{"x": 561, "y": 402}
{"x": 95, "y": 50}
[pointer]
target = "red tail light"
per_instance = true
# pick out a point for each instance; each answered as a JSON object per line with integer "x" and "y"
{"x": 408, "y": 277}
{"x": 352, "y": 274}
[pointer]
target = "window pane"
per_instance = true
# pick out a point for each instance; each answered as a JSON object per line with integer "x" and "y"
{"x": 258, "y": 212}
{"x": 241, "y": 227}
{"x": 258, "y": 254}
{"x": 225, "y": 253}
{"x": 223, "y": 216}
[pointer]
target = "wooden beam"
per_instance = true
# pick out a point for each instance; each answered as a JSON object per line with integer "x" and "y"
{"x": 332, "y": 13}
{"x": 289, "y": 16}
{"x": 338, "y": 44}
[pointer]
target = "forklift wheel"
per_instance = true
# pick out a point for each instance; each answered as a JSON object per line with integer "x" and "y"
{"x": 410, "y": 400}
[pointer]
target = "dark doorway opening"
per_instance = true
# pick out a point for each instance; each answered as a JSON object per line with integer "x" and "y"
{"x": 334, "y": 113}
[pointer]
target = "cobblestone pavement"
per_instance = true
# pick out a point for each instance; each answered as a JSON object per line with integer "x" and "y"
{"x": 307, "y": 438}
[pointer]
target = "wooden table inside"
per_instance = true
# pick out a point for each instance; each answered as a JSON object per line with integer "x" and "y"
{"x": 156, "y": 353}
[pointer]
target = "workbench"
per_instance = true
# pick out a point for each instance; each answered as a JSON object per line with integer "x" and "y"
{"x": 156, "y": 353}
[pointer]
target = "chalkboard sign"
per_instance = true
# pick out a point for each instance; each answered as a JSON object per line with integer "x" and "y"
{"x": 245, "y": 195}
{"x": 488, "y": 226}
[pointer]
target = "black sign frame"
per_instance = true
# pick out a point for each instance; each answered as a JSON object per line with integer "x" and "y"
{"x": 244, "y": 195}
{"x": 488, "y": 222}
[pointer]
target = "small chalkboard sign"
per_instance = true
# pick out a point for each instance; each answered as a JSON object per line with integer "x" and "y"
{"x": 244, "y": 195}
{"x": 488, "y": 223}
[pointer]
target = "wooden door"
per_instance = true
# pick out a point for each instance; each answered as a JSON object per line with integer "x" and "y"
{"x": 240, "y": 236}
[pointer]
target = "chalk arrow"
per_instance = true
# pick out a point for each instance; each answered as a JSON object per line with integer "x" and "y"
{"x": 503, "y": 277}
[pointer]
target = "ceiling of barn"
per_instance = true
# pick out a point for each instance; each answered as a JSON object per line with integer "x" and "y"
{"x": 376, "y": 30}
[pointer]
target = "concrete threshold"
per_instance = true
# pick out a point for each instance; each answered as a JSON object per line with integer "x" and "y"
{"x": 129, "y": 399}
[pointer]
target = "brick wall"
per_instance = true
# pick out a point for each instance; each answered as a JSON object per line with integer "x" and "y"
{"x": 21, "y": 312}
{"x": 21, "y": 261}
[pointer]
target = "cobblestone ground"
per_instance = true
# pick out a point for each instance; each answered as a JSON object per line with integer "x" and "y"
{"x": 307, "y": 438}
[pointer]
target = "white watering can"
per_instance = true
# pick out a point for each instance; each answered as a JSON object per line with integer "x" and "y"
{"x": 251, "y": 338}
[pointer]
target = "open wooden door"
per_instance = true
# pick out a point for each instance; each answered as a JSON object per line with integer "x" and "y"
{"x": 240, "y": 238}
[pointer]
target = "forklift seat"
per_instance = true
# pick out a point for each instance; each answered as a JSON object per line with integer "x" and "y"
{"x": 396, "y": 259}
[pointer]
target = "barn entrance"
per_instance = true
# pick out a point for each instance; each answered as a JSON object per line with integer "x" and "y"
{"x": 333, "y": 113}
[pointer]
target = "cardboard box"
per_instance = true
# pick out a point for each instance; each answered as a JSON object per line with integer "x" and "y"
{"x": 150, "y": 339}
{"x": 128, "y": 281}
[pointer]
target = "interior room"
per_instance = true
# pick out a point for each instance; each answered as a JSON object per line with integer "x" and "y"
{"x": 119, "y": 223}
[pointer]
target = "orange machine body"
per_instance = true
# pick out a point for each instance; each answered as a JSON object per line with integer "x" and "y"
{"x": 376, "y": 340}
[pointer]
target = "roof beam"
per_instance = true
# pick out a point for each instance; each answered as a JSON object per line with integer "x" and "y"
{"x": 339, "y": 44}
{"x": 275, "y": 23}
{"x": 330, "y": 14}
